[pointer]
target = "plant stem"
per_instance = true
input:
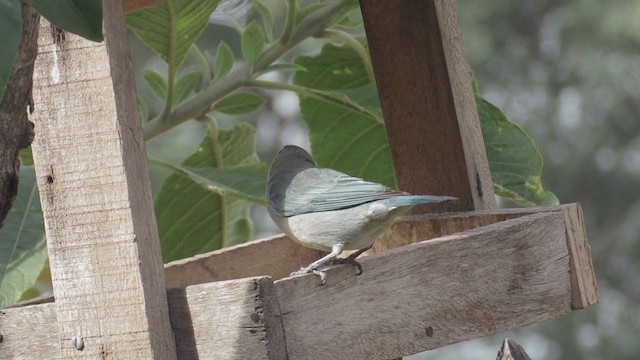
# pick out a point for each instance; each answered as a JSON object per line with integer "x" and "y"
{"x": 212, "y": 129}
{"x": 200, "y": 103}
{"x": 171, "y": 61}
{"x": 290, "y": 21}
{"x": 353, "y": 43}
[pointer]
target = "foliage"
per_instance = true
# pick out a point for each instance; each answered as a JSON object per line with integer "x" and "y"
{"x": 204, "y": 204}
{"x": 23, "y": 250}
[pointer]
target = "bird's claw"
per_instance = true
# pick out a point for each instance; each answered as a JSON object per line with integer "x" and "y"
{"x": 321, "y": 274}
{"x": 351, "y": 261}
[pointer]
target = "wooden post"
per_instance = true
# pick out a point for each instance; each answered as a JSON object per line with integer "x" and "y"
{"x": 427, "y": 100}
{"x": 91, "y": 169}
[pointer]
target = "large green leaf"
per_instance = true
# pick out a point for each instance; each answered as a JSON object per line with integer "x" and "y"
{"x": 182, "y": 19}
{"x": 514, "y": 160}
{"x": 23, "y": 249}
{"x": 10, "y": 31}
{"x": 192, "y": 219}
{"x": 342, "y": 136}
{"x": 82, "y": 17}
{"x": 352, "y": 138}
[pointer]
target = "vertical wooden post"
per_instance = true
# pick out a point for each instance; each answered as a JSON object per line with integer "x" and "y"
{"x": 106, "y": 266}
{"x": 427, "y": 100}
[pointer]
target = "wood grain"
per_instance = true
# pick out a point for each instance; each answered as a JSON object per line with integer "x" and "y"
{"x": 433, "y": 293}
{"x": 511, "y": 350}
{"x": 276, "y": 256}
{"x": 92, "y": 176}
{"x": 583, "y": 277}
{"x": 425, "y": 91}
{"x": 236, "y": 319}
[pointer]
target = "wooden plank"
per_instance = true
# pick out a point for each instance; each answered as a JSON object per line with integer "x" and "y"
{"x": 583, "y": 278}
{"x": 427, "y": 100}
{"x": 433, "y": 293}
{"x": 29, "y": 332}
{"x": 237, "y": 319}
{"x": 276, "y": 256}
{"x": 92, "y": 176}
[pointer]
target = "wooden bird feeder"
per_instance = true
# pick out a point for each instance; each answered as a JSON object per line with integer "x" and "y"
{"x": 432, "y": 280}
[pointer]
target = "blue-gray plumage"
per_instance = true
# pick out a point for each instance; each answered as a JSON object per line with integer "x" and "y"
{"x": 328, "y": 210}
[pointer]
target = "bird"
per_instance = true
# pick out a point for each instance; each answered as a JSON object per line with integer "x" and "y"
{"x": 327, "y": 210}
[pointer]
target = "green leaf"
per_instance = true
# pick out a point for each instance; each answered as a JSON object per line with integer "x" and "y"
{"x": 514, "y": 160}
{"x": 23, "y": 249}
{"x": 267, "y": 17}
{"x": 335, "y": 68}
{"x": 243, "y": 181}
{"x": 224, "y": 60}
{"x": 239, "y": 103}
{"x": 143, "y": 109}
{"x": 252, "y": 43}
{"x": 10, "y": 33}
{"x": 81, "y": 17}
{"x": 193, "y": 220}
{"x": 184, "y": 19}
{"x": 186, "y": 85}
{"x": 26, "y": 157}
{"x": 344, "y": 137}
{"x": 156, "y": 82}
{"x": 309, "y": 9}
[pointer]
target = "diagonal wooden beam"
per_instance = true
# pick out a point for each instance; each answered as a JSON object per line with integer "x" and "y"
{"x": 430, "y": 113}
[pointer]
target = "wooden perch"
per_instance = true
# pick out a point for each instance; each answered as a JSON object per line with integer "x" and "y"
{"x": 516, "y": 269}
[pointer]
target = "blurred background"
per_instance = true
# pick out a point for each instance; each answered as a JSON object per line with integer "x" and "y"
{"x": 569, "y": 73}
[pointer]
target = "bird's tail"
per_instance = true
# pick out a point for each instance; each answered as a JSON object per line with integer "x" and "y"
{"x": 418, "y": 199}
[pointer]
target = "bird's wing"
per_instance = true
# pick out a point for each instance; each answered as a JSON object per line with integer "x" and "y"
{"x": 337, "y": 192}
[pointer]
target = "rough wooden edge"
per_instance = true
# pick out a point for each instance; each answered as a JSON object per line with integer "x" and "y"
{"x": 427, "y": 100}
{"x": 236, "y": 319}
{"x": 433, "y": 293}
{"x": 276, "y": 256}
{"x": 583, "y": 278}
{"x": 511, "y": 350}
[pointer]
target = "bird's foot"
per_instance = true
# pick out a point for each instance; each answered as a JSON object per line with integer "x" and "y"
{"x": 351, "y": 261}
{"x": 321, "y": 274}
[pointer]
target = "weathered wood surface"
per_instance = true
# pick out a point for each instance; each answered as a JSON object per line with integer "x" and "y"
{"x": 511, "y": 350}
{"x": 430, "y": 294}
{"x": 425, "y": 91}
{"x": 96, "y": 199}
{"x": 237, "y": 319}
{"x": 276, "y": 256}
{"x": 420, "y": 296}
